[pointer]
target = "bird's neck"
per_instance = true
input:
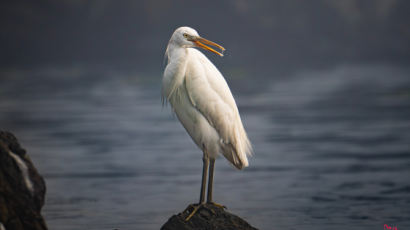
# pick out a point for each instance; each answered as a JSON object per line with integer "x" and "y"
{"x": 175, "y": 52}
{"x": 175, "y": 71}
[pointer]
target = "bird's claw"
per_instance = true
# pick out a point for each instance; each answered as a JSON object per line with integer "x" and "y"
{"x": 196, "y": 208}
{"x": 217, "y": 205}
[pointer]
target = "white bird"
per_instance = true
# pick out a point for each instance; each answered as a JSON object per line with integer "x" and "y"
{"x": 203, "y": 103}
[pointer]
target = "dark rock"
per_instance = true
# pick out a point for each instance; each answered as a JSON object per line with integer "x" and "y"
{"x": 22, "y": 188}
{"x": 208, "y": 217}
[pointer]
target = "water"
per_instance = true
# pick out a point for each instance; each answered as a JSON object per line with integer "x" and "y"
{"x": 332, "y": 149}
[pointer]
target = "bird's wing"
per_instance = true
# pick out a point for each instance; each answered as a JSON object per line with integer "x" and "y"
{"x": 211, "y": 96}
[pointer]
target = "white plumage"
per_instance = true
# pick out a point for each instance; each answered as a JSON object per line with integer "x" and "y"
{"x": 201, "y": 99}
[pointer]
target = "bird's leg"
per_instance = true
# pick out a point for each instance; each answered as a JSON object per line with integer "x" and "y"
{"x": 210, "y": 184}
{"x": 210, "y": 180}
{"x": 205, "y": 160}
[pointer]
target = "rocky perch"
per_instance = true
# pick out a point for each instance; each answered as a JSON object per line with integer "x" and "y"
{"x": 22, "y": 188}
{"x": 208, "y": 217}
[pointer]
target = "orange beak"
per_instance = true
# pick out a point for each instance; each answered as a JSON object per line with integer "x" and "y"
{"x": 200, "y": 42}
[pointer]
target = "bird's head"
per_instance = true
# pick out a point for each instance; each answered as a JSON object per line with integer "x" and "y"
{"x": 188, "y": 37}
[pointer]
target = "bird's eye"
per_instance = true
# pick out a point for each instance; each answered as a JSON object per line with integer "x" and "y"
{"x": 185, "y": 35}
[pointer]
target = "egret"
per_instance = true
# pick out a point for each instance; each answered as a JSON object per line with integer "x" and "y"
{"x": 203, "y": 103}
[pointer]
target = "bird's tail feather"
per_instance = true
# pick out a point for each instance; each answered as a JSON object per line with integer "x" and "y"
{"x": 237, "y": 151}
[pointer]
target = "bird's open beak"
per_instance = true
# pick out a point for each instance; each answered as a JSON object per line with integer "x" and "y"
{"x": 200, "y": 42}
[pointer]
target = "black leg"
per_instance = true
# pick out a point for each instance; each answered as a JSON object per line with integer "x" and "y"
{"x": 211, "y": 179}
{"x": 204, "y": 175}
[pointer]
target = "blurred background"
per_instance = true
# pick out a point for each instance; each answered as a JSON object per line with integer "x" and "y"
{"x": 323, "y": 88}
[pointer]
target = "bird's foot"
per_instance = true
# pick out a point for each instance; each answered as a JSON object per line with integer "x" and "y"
{"x": 196, "y": 208}
{"x": 216, "y": 204}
